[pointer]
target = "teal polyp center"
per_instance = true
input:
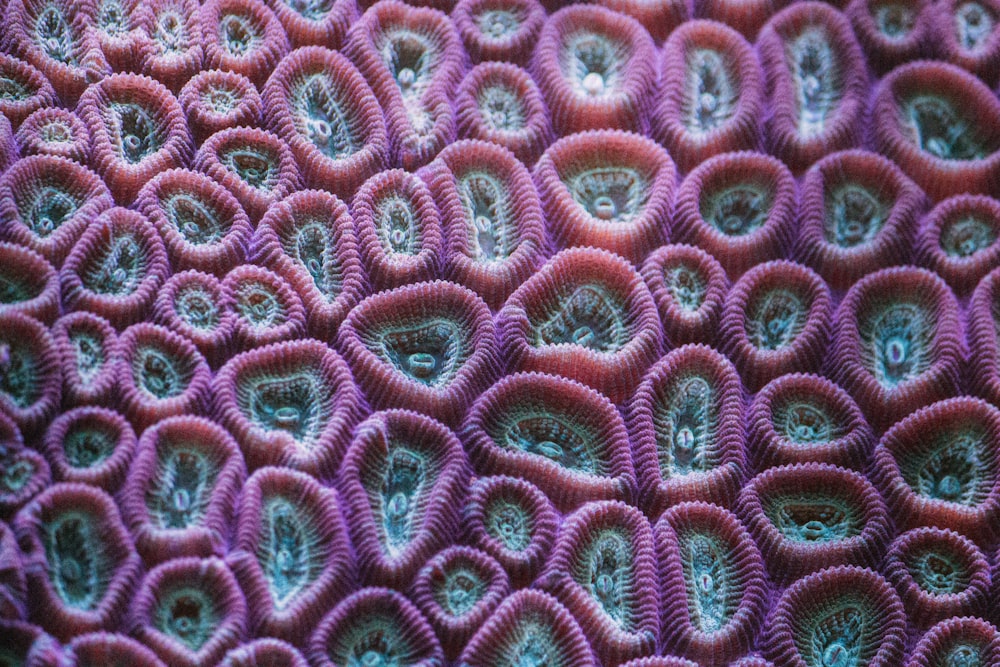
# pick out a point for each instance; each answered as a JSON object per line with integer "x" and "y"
{"x": 18, "y": 285}
{"x": 896, "y": 342}
{"x": 713, "y": 595}
{"x": 854, "y": 214}
{"x": 817, "y": 79}
{"x": 187, "y": 614}
{"x": 737, "y": 210}
{"x": 459, "y": 588}
{"x": 112, "y": 18}
{"x": 974, "y": 25}
{"x": 942, "y": 130}
{"x": 289, "y": 549}
{"x": 540, "y": 431}
{"x": 171, "y": 33}
{"x": 841, "y": 633}
{"x": 159, "y": 373}
{"x": 605, "y": 570}
{"x": 955, "y": 469}
{"x": 430, "y": 352}
{"x": 490, "y": 222}
{"x": 686, "y": 285}
{"x": 296, "y": 402}
{"x": 12, "y": 89}
{"x": 196, "y": 305}
{"x": 594, "y": 64}
{"x": 78, "y": 568}
{"x": 322, "y": 118}
{"x": 133, "y": 130}
{"x": 196, "y": 219}
{"x": 311, "y": 243}
{"x": 591, "y": 317}
{"x": 412, "y": 59}
{"x": 710, "y": 91}
{"x": 399, "y": 496}
{"x": 806, "y": 421}
{"x": 508, "y": 522}
{"x": 116, "y": 266}
{"x": 313, "y": 10}
{"x": 611, "y": 193}
{"x": 55, "y": 35}
{"x": 56, "y": 131}
{"x": 259, "y": 304}
{"x": 15, "y": 471}
{"x": 684, "y": 420}
{"x": 775, "y": 318}
{"x": 501, "y": 108}
{"x": 938, "y": 572}
{"x": 894, "y": 20}
{"x": 255, "y": 165}
{"x": 19, "y": 372}
{"x": 240, "y": 34}
{"x": 88, "y": 444}
{"x": 498, "y": 24}
{"x": 180, "y": 491}
{"x": 397, "y": 226}
{"x": 814, "y": 517}
{"x": 964, "y": 236}
{"x": 89, "y": 354}
{"x": 373, "y": 638}
{"x": 48, "y": 208}
{"x": 221, "y": 98}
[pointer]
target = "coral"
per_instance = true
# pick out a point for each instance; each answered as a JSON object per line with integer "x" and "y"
{"x": 897, "y": 343}
{"x": 88, "y": 353}
{"x": 940, "y": 125}
{"x": 513, "y": 521}
{"x": 242, "y": 36}
{"x": 309, "y": 239}
{"x": 194, "y": 305}
{"x": 271, "y": 652}
{"x": 799, "y": 418}
{"x": 498, "y": 29}
{"x": 816, "y": 83}
{"x": 24, "y": 90}
{"x": 500, "y": 102}
{"x": 596, "y": 69}
{"x": 54, "y": 131}
{"x": 292, "y": 403}
{"x": 712, "y": 94}
{"x": 181, "y": 491}
{"x": 413, "y": 58}
{"x": 892, "y": 32}
{"x": 491, "y": 216}
{"x": 28, "y": 284}
{"x": 189, "y": 611}
{"x": 686, "y": 424}
{"x": 373, "y": 626}
{"x": 215, "y": 100}
{"x": 106, "y": 649}
{"x": 939, "y": 467}
{"x": 291, "y": 553}
{"x": 776, "y": 320}
{"x": 79, "y": 560}
{"x": 966, "y": 34}
{"x": 738, "y": 207}
{"x": 137, "y": 129}
{"x": 603, "y": 569}
{"x": 955, "y": 641}
{"x": 430, "y": 347}
{"x": 842, "y": 614}
{"x": 399, "y": 229}
{"x": 321, "y": 106}
{"x": 402, "y": 480}
{"x": 264, "y": 306}
{"x": 47, "y": 202}
{"x": 90, "y": 445}
{"x": 202, "y": 224}
{"x": 116, "y": 268}
{"x": 983, "y": 323}
{"x": 30, "y": 373}
{"x": 810, "y": 516}
{"x": 958, "y": 240}
{"x": 530, "y": 627}
{"x": 688, "y": 286}
{"x": 607, "y": 189}
{"x": 558, "y": 434}
{"x": 857, "y": 213}
{"x": 315, "y": 22}
{"x": 586, "y": 315}
{"x": 713, "y": 583}
{"x": 23, "y": 475}
{"x": 174, "y": 50}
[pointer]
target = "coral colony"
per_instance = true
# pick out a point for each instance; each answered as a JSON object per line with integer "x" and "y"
{"x": 499, "y": 333}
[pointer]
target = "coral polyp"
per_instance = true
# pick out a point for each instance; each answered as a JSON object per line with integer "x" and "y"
{"x": 499, "y": 333}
